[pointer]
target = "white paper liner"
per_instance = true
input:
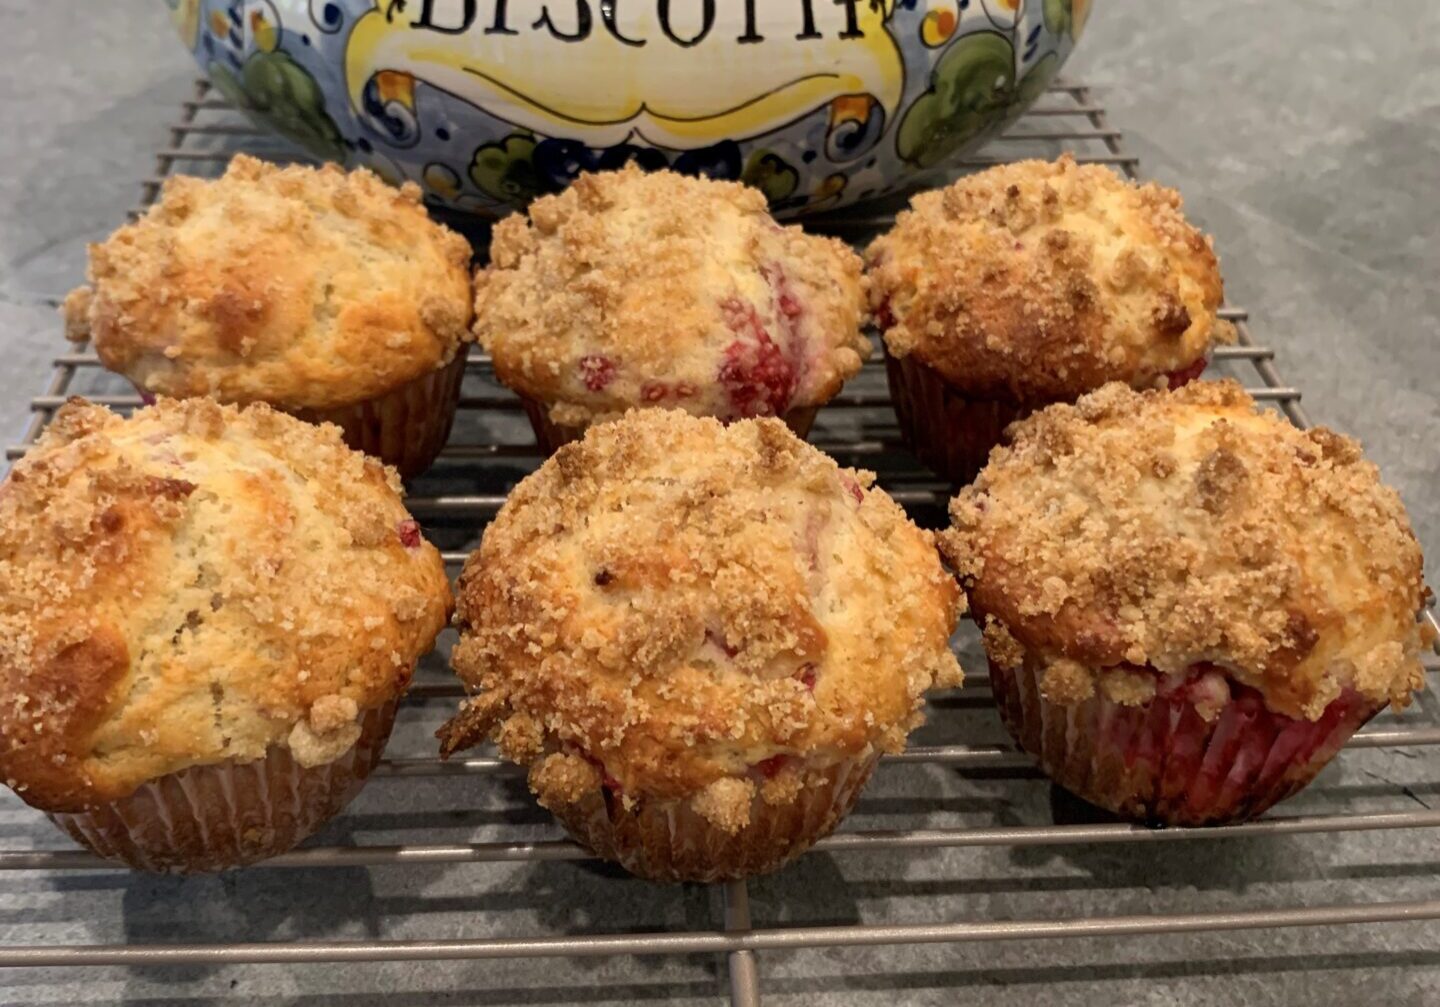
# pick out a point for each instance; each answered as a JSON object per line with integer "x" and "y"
{"x": 406, "y": 427}
{"x": 229, "y": 814}
{"x": 670, "y": 841}
{"x": 1161, "y": 763}
{"x": 950, "y": 433}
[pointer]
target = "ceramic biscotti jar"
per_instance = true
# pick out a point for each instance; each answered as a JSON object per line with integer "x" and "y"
{"x": 209, "y": 616}
{"x": 633, "y": 290}
{"x": 1189, "y": 605}
{"x": 1033, "y": 283}
{"x": 699, "y": 640}
{"x": 491, "y": 103}
{"x": 329, "y": 295}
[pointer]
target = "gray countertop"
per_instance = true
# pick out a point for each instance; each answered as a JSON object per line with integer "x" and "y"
{"x": 1306, "y": 138}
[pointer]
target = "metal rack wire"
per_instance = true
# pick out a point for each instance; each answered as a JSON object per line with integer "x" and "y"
{"x": 491, "y": 450}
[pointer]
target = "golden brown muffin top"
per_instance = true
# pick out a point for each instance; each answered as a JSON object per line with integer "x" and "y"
{"x": 302, "y": 287}
{"x": 693, "y": 611}
{"x": 195, "y": 584}
{"x": 1184, "y": 528}
{"x": 657, "y": 289}
{"x": 1039, "y": 281}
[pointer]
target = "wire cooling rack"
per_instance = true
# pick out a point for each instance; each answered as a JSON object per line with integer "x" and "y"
{"x": 925, "y": 800}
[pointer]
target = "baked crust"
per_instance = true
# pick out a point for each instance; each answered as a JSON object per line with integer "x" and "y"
{"x": 302, "y": 287}
{"x": 635, "y": 288}
{"x": 1175, "y": 529}
{"x": 679, "y": 610}
{"x": 1039, "y": 281}
{"x": 195, "y": 584}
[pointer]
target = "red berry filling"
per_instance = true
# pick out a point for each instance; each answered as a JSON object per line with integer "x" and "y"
{"x": 1249, "y": 746}
{"x": 884, "y": 317}
{"x": 409, "y": 534}
{"x": 756, "y": 375}
{"x": 786, "y": 303}
{"x": 1182, "y": 377}
{"x": 807, "y": 677}
{"x": 608, "y": 782}
{"x": 1204, "y": 749}
{"x": 789, "y": 309}
{"x": 597, "y": 372}
{"x": 768, "y": 768}
{"x": 759, "y": 375}
{"x": 740, "y": 316}
{"x": 659, "y": 391}
{"x": 853, "y": 488}
{"x": 718, "y": 639}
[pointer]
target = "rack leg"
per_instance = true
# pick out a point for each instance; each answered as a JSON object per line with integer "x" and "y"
{"x": 744, "y": 972}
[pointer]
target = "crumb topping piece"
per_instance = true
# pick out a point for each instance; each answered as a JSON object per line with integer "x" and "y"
{"x": 673, "y": 609}
{"x": 195, "y": 584}
{"x": 1185, "y": 532}
{"x": 302, "y": 287}
{"x": 1039, "y": 281}
{"x": 636, "y": 288}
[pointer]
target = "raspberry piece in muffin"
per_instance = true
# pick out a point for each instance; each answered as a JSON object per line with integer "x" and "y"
{"x": 757, "y": 377}
{"x": 1212, "y": 600}
{"x": 1033, "y": 283}
{"x": 408, "y": 532}
{"x": 597, "y": 372}
{"x": 1184, "y": 375}
{"x": 635, "y": 289}
{"x": 699, "y": 671}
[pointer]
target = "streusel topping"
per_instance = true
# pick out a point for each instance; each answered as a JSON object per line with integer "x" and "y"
{"x": 1039, "y": 281}
{"x": 196, "y": 584}
{"x": 674, "y": 609}
{"x": 633, "y": 289}
{"x": 308, "y": 288}
{"x": 1177, "y": 529}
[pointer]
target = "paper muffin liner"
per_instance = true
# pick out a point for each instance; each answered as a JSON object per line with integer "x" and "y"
{"x": 215, "y": 817}
{"x": 1162, "y": 763}
{"x": 670, "y": 841}
{"x": 406, "y": 427}
{"x": 551, "y": 436}
{"x": 952, "y": 434}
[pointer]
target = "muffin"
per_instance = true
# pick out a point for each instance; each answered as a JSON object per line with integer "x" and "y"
{"x": 699, "y": 671}
{"x": 328, "y": 295}
{"x": 1033, "y": 283}
{"x": 634, "y": 289}
{"x": 209, "y": 616}
{"x": 1189, "y": 605}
